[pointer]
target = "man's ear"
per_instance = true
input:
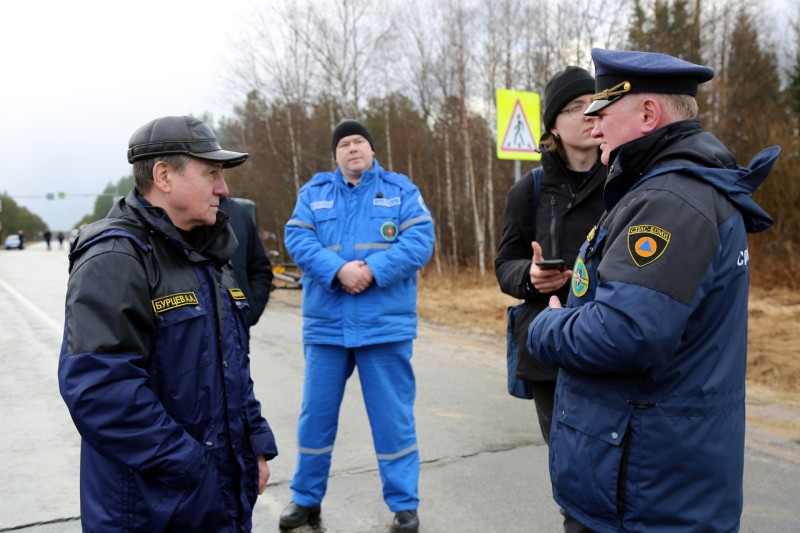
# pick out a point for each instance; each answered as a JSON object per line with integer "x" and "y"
{"x": 162, "y": 176}
{"x": 652, "y": 113}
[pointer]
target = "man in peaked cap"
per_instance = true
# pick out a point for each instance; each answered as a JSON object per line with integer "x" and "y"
{"x": 359, "y": 234}
{"x": 649, "y": 416}
{"x": 154, "y": 366}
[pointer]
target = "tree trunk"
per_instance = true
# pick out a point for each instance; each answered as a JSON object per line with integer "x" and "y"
{"x": 450, "y": 201}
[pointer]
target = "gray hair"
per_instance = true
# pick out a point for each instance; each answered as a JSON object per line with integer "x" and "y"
{"x": 143, "y": 169}
{"x": 677, "y": 106}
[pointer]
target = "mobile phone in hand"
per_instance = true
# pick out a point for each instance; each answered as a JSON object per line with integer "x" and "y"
{"x": 551, "y": 264}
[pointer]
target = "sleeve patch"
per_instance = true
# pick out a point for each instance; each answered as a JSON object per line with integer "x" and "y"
{"x": 646, "y": 243}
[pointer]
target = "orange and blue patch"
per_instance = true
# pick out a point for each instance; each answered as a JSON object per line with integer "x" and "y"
{"x": 646, "y": 243}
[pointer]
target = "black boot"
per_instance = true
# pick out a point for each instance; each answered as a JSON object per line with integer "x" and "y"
{"x": 405, "y": 522}
{"x": 295, "y": 515}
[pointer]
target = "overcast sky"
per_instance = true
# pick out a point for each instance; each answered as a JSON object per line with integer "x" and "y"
{"x": 79, "y": 77}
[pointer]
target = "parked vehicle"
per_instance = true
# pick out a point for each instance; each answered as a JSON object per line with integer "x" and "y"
{"x": 13, "y": 242}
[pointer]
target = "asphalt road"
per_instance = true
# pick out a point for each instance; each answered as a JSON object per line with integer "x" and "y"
{"x": 484, "y": 463}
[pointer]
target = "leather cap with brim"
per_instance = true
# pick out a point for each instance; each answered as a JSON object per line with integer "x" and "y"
{"x": 620, "y": 72}
{"x": 180, "y": 135}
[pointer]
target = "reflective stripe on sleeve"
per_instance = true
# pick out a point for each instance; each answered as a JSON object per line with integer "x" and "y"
{"x": 414, "y": 221}
{"x": 301, "y": 224}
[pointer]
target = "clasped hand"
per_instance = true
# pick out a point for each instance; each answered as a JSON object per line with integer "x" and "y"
{"x": 355, "y": 277}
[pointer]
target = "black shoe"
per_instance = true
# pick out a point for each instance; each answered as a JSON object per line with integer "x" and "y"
{"x": 405, "y": 522}
{"x": 295, "y": 515}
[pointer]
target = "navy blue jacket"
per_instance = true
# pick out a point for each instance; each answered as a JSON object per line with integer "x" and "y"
{"x": 251, "y": 265}
{"x": 155, "y": 371}
{"x": 648, "y": 427}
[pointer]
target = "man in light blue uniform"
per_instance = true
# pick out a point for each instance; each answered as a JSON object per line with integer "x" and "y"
{"x": 359, "y": 234}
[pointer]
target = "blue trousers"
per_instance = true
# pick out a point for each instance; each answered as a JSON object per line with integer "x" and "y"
{"x": 389, "y": 389}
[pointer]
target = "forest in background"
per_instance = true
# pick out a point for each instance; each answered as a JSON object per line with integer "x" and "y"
{"x": 422, "y": 77}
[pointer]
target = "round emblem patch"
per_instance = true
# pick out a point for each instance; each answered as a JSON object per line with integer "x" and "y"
{"x": 580, "y": 278}
{"x": 389, "y": 231}
{"x": 645, "y": 246}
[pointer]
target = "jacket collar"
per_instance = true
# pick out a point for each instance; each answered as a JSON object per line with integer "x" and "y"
{"x": 631, "y": 161}
{"x": 215, "y": 242}
{"x": 366, "y": 177}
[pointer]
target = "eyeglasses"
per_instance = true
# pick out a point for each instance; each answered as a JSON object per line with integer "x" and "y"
{"x": 575, "y": 110}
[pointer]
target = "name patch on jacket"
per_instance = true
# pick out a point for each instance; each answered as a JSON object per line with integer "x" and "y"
{"x": 386, "y": 202}
{"x": 237, "y": 294}
{"x": 174, "y": 301}
{"x": 646, "y": 243}
{"x": 322, "y": 204}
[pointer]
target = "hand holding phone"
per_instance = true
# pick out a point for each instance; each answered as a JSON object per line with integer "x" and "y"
{"x": 551, "y": 264}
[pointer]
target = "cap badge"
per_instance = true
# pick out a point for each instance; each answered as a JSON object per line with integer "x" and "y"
{"x": 617, "y": 90}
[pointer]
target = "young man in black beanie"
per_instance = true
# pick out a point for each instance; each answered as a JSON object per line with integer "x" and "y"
{"x": 359, "y": 234}
{"x": 551, "y": 225}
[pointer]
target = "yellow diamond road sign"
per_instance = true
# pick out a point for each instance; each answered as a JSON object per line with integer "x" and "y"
{"x": 518, "y": 125}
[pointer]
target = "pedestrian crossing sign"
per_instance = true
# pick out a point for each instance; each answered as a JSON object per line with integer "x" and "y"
{"x": 518, "y": 125}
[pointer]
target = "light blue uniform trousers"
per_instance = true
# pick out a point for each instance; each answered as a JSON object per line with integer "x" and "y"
{"x": 389, "y": 389}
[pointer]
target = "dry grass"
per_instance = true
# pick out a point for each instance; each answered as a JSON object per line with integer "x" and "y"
{"x": 474, "y": 304}
{"x": 464, "y": 301}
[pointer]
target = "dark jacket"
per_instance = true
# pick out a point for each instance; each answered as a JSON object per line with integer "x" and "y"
{"x": 564, "y": 216}
{"x": 250, "y": 262}
{"x": 649, "y": 425}
{"x": 154, "y": 369}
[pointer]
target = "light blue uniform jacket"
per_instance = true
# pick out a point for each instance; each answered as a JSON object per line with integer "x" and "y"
{"x": 383, "y": 221}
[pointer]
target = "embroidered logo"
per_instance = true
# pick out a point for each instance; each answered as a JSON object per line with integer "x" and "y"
{"x": 386, "y": 202}
{"x": 580, "y": 278}
{"x": 389, "y": 231}
{"x": 174, "y": 301}
{"x": 237, "y": 294}
{"x": 322, "y": 204}
{"x": 646, "y": 243}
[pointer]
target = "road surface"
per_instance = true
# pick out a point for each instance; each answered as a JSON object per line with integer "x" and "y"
{"x": 484, "y": 465}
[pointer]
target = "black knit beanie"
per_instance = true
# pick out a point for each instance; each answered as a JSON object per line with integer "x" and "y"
{"x": 350, "y": 127}
{"x": 562, "y": 88}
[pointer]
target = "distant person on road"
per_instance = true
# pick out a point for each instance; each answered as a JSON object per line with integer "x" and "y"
{"x": 154, "y": 367}
{"x": 650, "y": 400}
{"x": 47, "y": 237}
{"x": 359, "y": 234}
{"x": 251, "y": 265}
{"x": 551, "y": 225}
{"x": 21, "y": 234}
{"x": 60, "y": 240}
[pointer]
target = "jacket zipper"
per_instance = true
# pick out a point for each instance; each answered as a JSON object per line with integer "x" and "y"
{"x": 553, "y": 247}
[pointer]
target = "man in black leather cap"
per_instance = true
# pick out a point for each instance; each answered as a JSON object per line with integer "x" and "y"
{"x": 154, "y": 367}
